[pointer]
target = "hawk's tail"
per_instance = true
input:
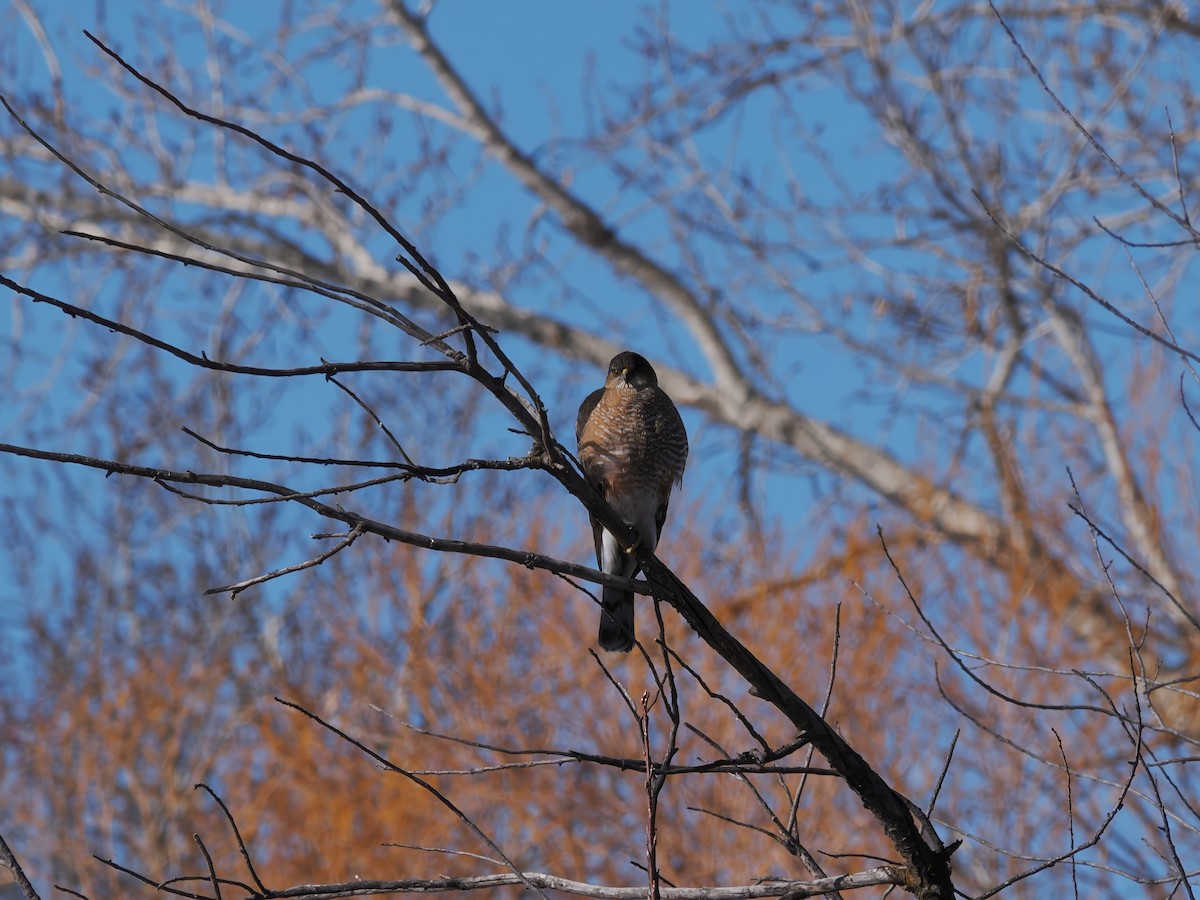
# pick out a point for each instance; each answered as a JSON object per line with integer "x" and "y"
{"x": 616, "y": 620}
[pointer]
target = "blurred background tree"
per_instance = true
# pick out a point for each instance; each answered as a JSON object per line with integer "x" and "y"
{"x": 856, "y": 239}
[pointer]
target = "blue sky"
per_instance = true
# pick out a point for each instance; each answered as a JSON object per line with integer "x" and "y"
{"x": 530, "y": 60}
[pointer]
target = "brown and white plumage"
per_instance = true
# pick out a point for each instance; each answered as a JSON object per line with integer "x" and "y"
{"x": 633, "y": 448}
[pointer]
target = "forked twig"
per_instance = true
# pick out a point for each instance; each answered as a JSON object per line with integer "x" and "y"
{"x": 234, "y": 589}
{"x": 237, "y": 834}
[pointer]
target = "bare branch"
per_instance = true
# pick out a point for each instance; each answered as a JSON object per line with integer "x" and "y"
{"x": 9, "y": 861}
{"x": 371, "y": 526}
{"x": 212, "y": 872}
{"x": 793, "y": 890}
{"x": 236, "y": 833}
{"x": 234, "y": 589}
{"x": 202, "y": 361}
{"x": 751, "y": 761}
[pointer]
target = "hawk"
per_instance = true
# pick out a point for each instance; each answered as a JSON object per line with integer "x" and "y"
{"x": 633, "y": 448}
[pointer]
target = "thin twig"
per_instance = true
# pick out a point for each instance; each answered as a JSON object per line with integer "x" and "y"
{"x": 651, "y": 802}
{"x": 937, "y": 788}
{"x": 731, "y": 706}
{"x": 285, "y": 277}
{"x": 784, "y": 838}
{"x": 212, "y": 872}
{"x": 617, "y": 686}
{"x": 793, "y": 822}
{"x": 428, "y": 474}
{"x": 237, "y": 834}
{"x": 751, "y": 761}
{"x": 1070, "y": 811}
{"x": 202, "y": 361}
{"x": 161, "y": 886}
{"x": 463, "y": 853}
{"x": 1098, "y": 532}
{"x": 375, "y": 416}
{"x": 234, "y": 589}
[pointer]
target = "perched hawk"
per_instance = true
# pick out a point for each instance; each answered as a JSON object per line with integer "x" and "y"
{"x": 633, "y": 447}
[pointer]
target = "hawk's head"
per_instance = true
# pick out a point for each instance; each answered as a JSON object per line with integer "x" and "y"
{"x": 633, "y": 369}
